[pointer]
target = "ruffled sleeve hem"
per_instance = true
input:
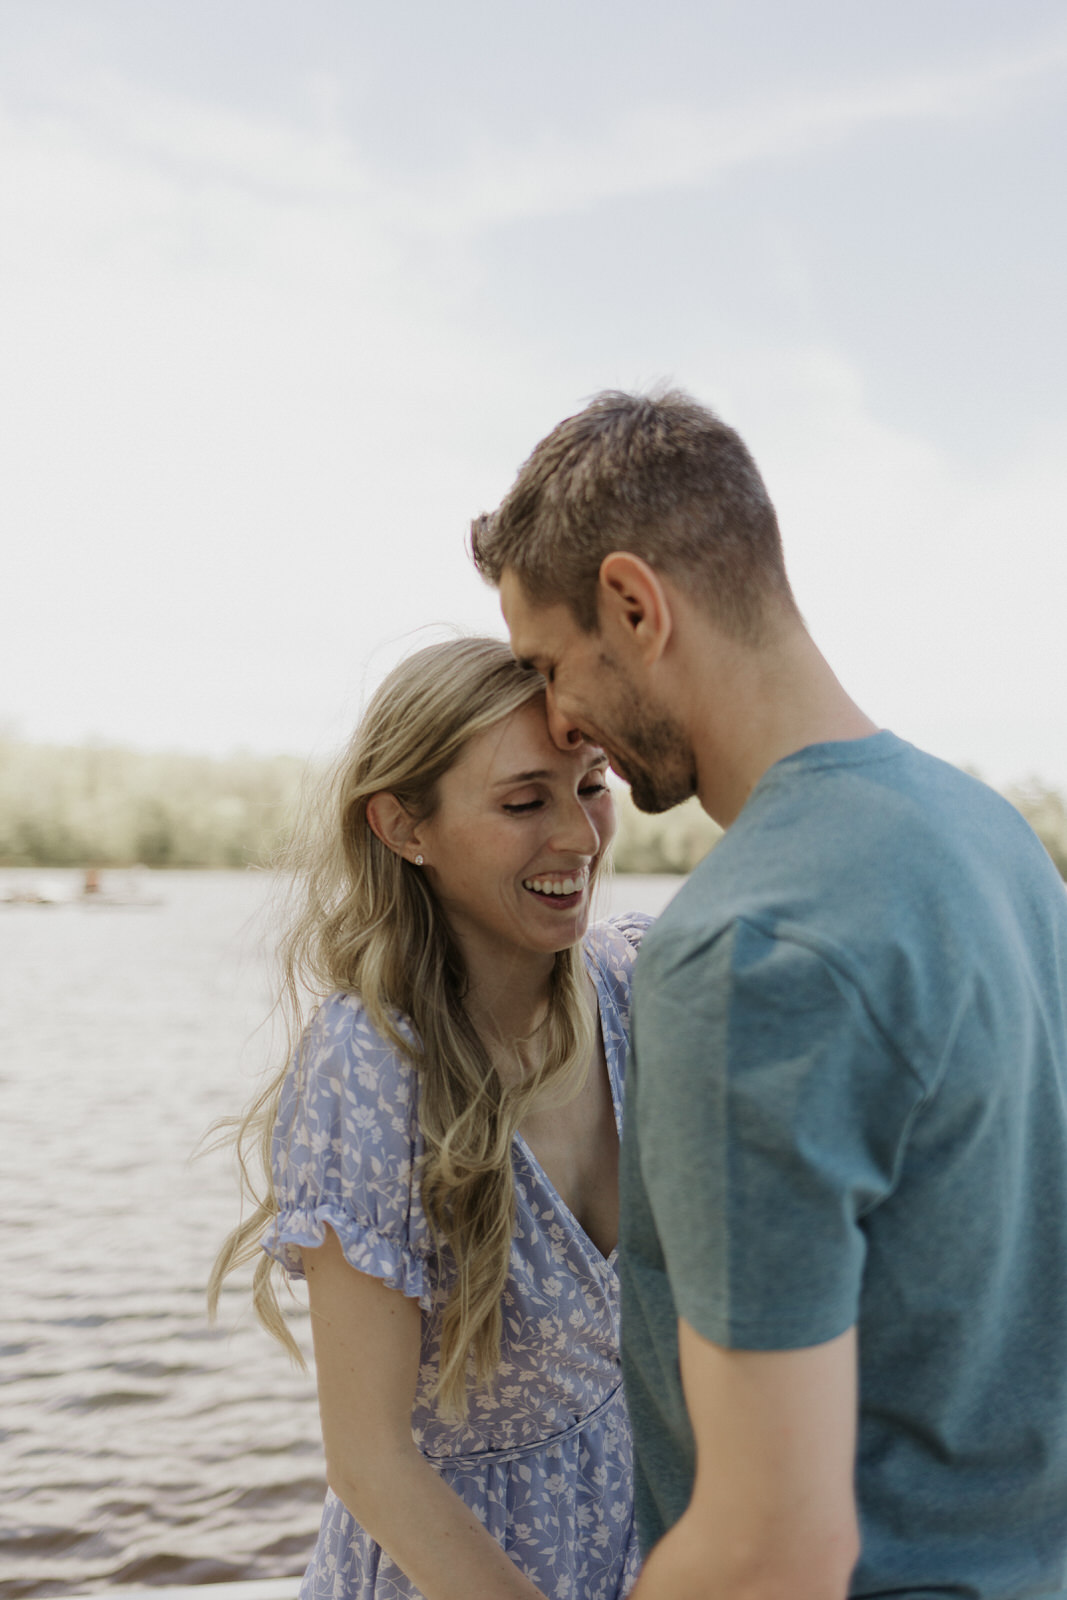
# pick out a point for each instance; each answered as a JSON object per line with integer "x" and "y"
{"x": 364, "y": 1247}
{"x": 633, "y": 925}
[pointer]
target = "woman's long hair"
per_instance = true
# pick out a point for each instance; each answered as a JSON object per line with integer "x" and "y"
{"x": 368, "y": 923}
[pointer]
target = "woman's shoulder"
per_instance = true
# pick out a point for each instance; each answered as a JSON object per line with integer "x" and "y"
{"x": 344, "y": 1015}
{"x": 614, "y": 943}
{"x": 611, "y": 947}
{"x": 345, "y": 1150}
{"x": 348, "y": 1112}
{"x": 342, "y": 1053}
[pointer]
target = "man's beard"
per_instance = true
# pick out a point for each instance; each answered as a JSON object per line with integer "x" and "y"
{"x": 659, "y": 765}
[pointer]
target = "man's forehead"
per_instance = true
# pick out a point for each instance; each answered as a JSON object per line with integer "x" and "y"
{"x": 534, "y": 628}
{"x": 513, "y": 601}
{"x": 525, "y": 622}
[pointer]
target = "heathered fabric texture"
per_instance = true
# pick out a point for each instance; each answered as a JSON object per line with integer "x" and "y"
{"x": 847, "y": 1103}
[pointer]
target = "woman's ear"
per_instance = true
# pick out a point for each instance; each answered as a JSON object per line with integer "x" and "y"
{"x": 394, "y": 825}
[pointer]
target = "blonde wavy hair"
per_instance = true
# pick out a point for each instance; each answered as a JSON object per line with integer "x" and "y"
{"x": 367, "y": 922}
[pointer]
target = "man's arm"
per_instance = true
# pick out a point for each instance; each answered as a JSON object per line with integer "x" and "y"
{"x": 773, "y": 1513}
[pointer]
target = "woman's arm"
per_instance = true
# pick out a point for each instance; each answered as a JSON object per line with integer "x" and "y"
{"x": 367, "y": 1343}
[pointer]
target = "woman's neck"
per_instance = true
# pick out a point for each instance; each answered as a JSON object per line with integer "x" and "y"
{"x": 507, "y": 1001}
{"x": 507, "y": 1015}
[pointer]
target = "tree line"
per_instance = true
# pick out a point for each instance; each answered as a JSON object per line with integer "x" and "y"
{"x": 97, "y": 805}
{"x": 105, "y": 806}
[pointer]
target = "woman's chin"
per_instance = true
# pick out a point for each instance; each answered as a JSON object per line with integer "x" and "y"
{"x": 554, "y": 926}
{"x": 576, "y": 925}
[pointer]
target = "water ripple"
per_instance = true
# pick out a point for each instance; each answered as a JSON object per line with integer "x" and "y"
{"x": 142, "y": 1446}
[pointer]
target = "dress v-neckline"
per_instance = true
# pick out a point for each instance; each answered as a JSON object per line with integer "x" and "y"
{"x": 602, "y": 996}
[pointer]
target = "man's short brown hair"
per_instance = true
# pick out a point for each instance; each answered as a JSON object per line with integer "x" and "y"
{"x": 656, "y": 475}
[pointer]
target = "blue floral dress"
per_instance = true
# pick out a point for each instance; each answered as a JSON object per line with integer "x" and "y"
{"x": 544, "y": 1461}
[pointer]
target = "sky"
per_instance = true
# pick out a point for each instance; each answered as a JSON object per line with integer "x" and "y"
{"x": 288, "y": 292}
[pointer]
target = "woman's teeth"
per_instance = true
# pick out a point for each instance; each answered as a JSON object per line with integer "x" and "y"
{"x": 556, "y": 885}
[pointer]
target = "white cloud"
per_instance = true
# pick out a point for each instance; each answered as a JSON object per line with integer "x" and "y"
{"x": 656, "y": 146}
{"x": 665, "y": 146}
{"x": 237, "y": 425}
{"x": 936, "y": 594}
{"x": 247, "y": 408}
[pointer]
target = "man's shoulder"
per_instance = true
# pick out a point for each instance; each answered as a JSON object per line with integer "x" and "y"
{"x": 852, "y": 841}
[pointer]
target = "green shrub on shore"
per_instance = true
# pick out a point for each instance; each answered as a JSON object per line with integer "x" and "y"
{"x": 1045, "y": 809}
{"x": 673, "y": 841}
{"x": 99, "y": 805}
{"x": 105, "y": 806}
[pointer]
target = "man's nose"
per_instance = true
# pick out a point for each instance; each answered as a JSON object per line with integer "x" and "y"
{"x": 565, "y": 732}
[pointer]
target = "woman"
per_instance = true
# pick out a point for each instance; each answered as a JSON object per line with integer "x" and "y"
{"x": 444, "y": 1151}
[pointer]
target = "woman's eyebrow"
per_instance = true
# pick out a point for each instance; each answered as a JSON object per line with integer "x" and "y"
{"x": 544, "y": 772}
{"x": 522, "y": 777}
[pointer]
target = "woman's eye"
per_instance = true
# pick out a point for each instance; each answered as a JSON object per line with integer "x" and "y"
{"x": 590, "y": 791}
{"x": 525, "y": 805}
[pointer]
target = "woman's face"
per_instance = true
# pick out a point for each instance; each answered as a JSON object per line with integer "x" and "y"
{"x": 519, "y": 827}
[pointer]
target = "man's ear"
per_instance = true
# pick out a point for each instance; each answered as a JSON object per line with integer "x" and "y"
{"x": 394, "y": 825}
{"x": 634, "y": 604}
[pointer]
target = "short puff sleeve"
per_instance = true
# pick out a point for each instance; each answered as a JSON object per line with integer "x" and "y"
{"x": 345, "y": 1152}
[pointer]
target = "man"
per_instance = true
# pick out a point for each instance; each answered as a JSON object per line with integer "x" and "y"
{"x": 844, "y": 1236}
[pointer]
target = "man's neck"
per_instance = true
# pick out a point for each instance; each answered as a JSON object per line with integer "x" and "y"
{"x": 750, "y": 708}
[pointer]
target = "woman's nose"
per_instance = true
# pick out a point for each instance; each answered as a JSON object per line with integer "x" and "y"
{"x": 576, "y": 832}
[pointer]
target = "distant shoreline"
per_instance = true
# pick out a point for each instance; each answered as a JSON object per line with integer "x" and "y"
{"x": 106, "y": 808}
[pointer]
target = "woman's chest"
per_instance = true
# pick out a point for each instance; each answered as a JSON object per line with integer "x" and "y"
{"x": 576, "y": 1148}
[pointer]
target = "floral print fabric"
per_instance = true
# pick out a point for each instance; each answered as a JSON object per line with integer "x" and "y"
{"x": 544, "y": 1461}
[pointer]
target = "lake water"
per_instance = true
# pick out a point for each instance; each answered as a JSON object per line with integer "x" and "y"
{"x": 139, "y": 1445}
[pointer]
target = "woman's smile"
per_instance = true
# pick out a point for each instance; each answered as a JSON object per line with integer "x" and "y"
{"x": 559, "y": 890}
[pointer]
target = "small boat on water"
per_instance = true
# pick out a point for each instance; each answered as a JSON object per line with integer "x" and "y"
{"x": 127, "y": 891}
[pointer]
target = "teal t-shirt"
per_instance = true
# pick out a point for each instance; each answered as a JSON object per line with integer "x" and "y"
{"x": 847, "y": 1103}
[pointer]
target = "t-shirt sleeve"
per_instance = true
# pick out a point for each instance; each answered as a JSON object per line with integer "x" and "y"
{"x": 772, "y": 1114}
{"x": 345, "y": 1153}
